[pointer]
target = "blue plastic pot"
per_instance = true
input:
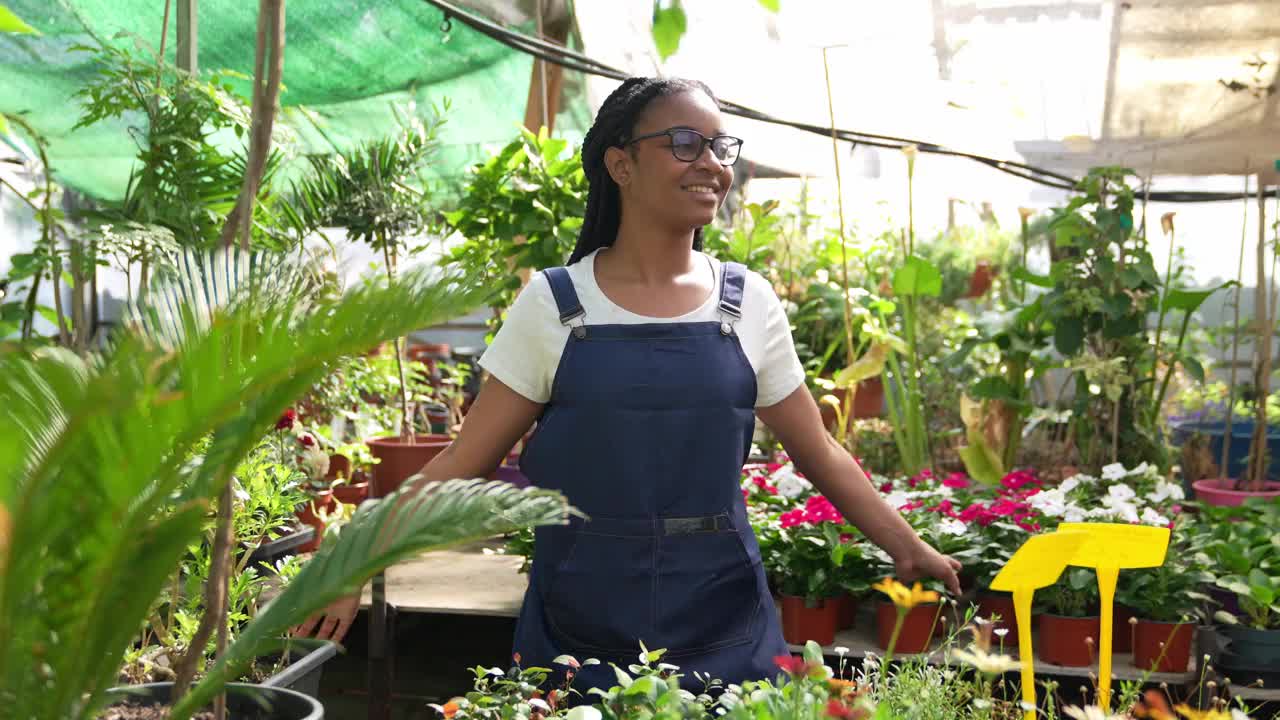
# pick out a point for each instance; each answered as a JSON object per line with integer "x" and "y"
{"x": 1237, "y": 450}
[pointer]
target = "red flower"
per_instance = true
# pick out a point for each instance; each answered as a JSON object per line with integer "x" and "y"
{"x": 287, "y": 420}
{"x": 840, "y": 711}
{"x": 913, "y": 505}
{"x": 957, "y": 480}
{"x": 1018, "y": 479}
{"x": 887, "y": 487}
{"x": 794, "y": 666}
{"x": 307, "y": 441}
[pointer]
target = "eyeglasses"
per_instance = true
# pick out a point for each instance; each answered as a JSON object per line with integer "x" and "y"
{"x": 687, "y": 145}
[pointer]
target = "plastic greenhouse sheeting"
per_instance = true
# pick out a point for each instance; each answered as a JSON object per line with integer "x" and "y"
{"x": 347, "y": 63}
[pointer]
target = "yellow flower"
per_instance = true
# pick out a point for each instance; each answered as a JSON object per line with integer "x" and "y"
{"x": 1191, "y": 713}
{"x": 903, "y": 597}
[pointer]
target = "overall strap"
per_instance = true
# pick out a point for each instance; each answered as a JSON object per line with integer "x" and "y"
{"x": 732, "y": 282}
{"x": 567, "y": 303}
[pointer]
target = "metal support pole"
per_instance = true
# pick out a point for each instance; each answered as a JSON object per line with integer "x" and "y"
{"x": 188, "y": 36}
{"x": 381, "y": 650}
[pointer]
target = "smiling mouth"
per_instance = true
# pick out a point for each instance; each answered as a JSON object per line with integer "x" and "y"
{"x": 704, "y": 189}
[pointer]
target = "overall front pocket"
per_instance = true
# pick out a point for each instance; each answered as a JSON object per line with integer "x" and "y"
{"x": 708, "y": 596}
{"x": 600, "y": 598}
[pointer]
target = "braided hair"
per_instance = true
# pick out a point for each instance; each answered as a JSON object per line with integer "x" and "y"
{"x": 613, "y": 126}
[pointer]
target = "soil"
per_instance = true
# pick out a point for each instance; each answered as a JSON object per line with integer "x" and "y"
{"x": 145, "y": 712}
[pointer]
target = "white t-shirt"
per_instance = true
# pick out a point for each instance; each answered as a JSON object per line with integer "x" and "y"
{"x": 526, "y": 351}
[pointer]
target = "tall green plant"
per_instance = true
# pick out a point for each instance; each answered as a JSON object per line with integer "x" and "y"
{"x": 184, "y": 179}
{"x": 521, "y": 211}
{"x": 915, "y": 279}
{"x": 111, "y": 464}
{"x": 378, "y": 194}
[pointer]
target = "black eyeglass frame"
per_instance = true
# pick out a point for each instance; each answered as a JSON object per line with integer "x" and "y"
{"x": 706, "y": 143}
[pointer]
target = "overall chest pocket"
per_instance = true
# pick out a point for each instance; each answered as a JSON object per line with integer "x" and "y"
{"x": 685, "y": 592}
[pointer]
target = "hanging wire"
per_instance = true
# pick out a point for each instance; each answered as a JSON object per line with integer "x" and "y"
{"x": 573, "y": 60}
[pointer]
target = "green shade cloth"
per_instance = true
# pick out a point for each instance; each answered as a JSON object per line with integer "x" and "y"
{"x": 346, "y": 62}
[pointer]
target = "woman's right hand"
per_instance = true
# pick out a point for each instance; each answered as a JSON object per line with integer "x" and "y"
{"x": 333, "y": 622}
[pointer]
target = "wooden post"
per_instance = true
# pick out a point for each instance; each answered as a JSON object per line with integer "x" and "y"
{"x": 188, "y": 36}
{"x": 547, "y": 79}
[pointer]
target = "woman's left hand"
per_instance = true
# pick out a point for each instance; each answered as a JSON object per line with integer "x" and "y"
{"x": 927, "y": 562}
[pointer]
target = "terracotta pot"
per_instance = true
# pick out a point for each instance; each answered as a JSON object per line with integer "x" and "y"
{"x": 309, "y": 514}
{"x": 846, "y": 611}
{"x": 802, "y": 621}
{"x": 1162, "y": 646}
{"x": 425, "y": 350}
{"x": 992, "y": 603}
{"x": 868, "y": 402}
{"x": 1068, "y": 641}
{"x": 1122, "y": 629}
{"x": 351, "y": 493}
{"x": 917, "y": 627}
{"x": 1218, "y": 491}
{"x": 339, "y": 467}
{"x": 400, "y": 460}
{"x": 980, "y": 280}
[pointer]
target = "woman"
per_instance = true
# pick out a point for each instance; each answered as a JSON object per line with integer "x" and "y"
{"x": 645, "y": 363}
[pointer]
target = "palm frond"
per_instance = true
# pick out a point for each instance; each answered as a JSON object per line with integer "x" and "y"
{"x": 105, "y": 472}
{"x": 408, "y": 522}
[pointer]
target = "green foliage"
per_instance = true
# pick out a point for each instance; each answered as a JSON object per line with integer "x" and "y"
{"x": 521, "y": 210}
{"x": 376, "y": 191}
{"x": 1173, "y": 592}
{"x": 1074, "y": 595}
{"x": 752, "y": 241}
{"x": 183, "y": 182}
{"x": 669, "y": 25}
{"x": 1244, "y": 549}
{"x": 110, "y": 464}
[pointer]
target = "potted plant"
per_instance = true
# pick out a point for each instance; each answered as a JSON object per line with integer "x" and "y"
{"x": 1243, "y": 552}
{"x": 1167, "y": 602}
{"x": 907, "y": 618}
{"x": 153, "y": 429}
{"x": 1069, "y": 626}
{"x": 1255, "y": 482}
{"x": 802, "y": 550}
{"x": 375, "y": 193}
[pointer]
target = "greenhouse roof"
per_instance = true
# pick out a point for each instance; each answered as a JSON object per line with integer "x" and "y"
{"x": 347, "y": 64}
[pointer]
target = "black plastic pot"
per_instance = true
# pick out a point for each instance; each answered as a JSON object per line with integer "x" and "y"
{"x": 244, "y": 701}
{"x": 304, "y": 671}
{"x": 1260, "y": 648}
{"x": 270, "y": 552}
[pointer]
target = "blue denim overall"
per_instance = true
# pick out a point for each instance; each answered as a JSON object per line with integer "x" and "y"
{"x": 646, "y": 432}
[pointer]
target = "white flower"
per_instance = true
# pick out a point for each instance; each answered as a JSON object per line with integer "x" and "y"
{"x": 790, "y": 484}
{"x": 1120, "y": 493}
{"x": 1074, "y": 513}
{"x": 1114, "y": 471}
{"x": 540, "y": 704}
{"x": 1052, "y": 503}
{"x": 1069, "y": 484}
{"x": 841, "y": 650}
{"x": 1165, "y": 490}
{"x": 1151, "y": 517}
{"x": 952, "y": 526}
{"x": 897, "y": 499}
{"x": 1141, "y": 469}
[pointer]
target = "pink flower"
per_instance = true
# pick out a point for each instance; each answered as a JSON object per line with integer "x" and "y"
{"x": 913, "y": 505}
{"x": 1176, "y": 509}
{"x": 887, "y": 487}
{"x": 957, "y": 480}
{"x": 1029, "y": 527}
{"x": 922, "y": 476}
{"x": 764, "y": 485}
{"x": 1018, "y": 479}
{"x": 792, "y": 518}
{"x": 945, "y": 507}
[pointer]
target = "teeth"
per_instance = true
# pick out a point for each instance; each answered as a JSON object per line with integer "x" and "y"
{"x": 700, "y": 188}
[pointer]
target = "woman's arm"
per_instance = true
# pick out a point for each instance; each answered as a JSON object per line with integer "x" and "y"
{"x": 797, "y": 422}
{"x": 497, "y": 419}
